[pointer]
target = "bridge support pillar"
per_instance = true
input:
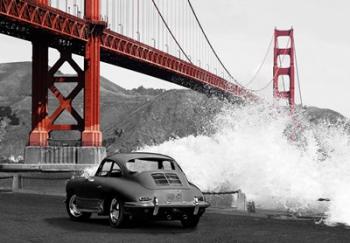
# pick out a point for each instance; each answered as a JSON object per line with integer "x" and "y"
{"x": 92, "y": 135}
{"x": 89, "y": 150}
{"x": 279, "y": 71}
{"x": 39, "y": 134}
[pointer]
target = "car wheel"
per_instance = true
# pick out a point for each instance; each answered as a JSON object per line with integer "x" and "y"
{"x": 116, "y": 214}
{"x": 73, "y": 211}
{"x": 190, "y": 221}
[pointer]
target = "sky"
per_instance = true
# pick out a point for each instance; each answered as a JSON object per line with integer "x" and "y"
{"x": 241, "y": 30}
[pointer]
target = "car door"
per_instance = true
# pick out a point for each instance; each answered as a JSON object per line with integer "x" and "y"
{"x": 105, "y": 182}
{"x": 94, "y": 184}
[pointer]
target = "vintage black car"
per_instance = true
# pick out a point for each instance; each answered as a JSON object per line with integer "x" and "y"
{"x": 127, "y": 186}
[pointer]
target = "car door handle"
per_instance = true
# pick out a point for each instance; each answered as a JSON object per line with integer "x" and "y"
{"x": 99, "y": 187}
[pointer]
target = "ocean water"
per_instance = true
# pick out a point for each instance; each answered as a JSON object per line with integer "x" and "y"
{"x": 277, "y": 161}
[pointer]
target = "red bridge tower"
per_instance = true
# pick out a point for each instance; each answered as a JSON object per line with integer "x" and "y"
{"x": 281, "y": 72}
{"x": 87, "y": 79}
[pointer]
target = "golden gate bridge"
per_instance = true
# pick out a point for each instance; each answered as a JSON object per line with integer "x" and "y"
{"x": 160, "y": 38}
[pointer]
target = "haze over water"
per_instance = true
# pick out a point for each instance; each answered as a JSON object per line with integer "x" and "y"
{"x": 249, "y": 150}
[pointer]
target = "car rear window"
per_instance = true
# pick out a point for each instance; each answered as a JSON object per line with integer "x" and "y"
{"x": 141, "y": 165}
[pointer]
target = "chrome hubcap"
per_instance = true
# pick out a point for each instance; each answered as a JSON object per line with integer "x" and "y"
{"x": 114, "y": 210}
{"x": 73, "y": 209}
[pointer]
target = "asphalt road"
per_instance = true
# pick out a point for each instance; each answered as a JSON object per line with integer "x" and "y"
{"x": 38, "y": 218}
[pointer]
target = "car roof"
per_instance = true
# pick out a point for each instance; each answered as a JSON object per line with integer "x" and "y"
{"x": 124, "y": 157}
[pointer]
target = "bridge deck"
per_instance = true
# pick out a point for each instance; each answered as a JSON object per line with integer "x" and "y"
{"x": 28, "y": 20}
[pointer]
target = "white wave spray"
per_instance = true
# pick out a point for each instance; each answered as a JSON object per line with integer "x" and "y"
{"x": 250, "y": 151}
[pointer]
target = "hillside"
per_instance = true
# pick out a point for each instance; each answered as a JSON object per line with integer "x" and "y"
{"x": 175, "y": 113}
{"x": 129, "y": 118}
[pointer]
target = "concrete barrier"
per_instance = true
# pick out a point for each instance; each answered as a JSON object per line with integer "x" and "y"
{"x": 43, "y": 167}
{"x": 35, "y": 182}
{"x": 17, "y": 183}
{"x": 233, "y": 199}
{"x": 63, "y": 155}
{"x": 38, "y": 178}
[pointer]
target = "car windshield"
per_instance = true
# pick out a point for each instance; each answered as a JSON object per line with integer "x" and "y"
{"x": 141, "y": 165}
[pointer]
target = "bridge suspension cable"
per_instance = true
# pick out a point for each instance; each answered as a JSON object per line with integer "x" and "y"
{"x": 173, "y": 27}
{"x": 170, "y": 26}
{"x": 210, "y": 45}
{"x": 281, "y": 61}
{"x": 298, "y": 77}
{"x": 170, "y": 32}
{"x": 261, "y": 64}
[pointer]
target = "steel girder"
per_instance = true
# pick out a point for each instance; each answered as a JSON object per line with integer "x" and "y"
{"x": 44, "y": 18}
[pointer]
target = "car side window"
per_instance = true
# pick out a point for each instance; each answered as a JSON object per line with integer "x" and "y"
{"x": 105, "y": 169}
{"x": 116, "y": 171}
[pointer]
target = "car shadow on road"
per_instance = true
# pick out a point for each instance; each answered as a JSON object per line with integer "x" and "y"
{"x": 101, "y": 225}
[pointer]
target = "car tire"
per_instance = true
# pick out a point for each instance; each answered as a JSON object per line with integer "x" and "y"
{"x": 73, "y": 211}
{"x": 116, "y": 213}
{"x": 191, "y": 221}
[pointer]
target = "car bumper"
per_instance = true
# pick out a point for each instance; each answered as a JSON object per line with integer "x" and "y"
{"x": 155, "y": 205}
